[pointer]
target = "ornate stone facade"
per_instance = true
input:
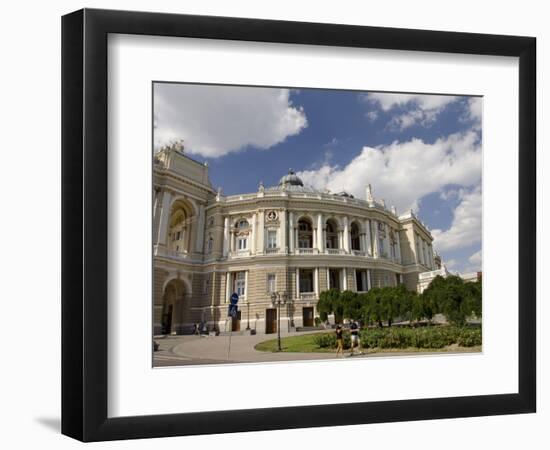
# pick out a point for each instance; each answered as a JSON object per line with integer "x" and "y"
{"x": 286, "y": 238}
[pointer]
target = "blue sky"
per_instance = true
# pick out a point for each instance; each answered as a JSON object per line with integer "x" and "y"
{"x": 417, "y": 151}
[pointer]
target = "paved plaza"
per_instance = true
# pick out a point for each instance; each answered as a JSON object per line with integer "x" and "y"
{"x": 196, "y": 350}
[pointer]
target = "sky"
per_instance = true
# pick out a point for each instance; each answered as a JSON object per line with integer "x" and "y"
{"x": 418, "y": 151}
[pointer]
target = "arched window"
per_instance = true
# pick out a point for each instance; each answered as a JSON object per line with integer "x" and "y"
{"x": 209, "y": 244}
{"x": 305, "y": 234}
{"x": 355, "y": 240}
{"x": 179, "y": 227}
{"x": 331, "y": 234}
{"x": 242, "y": 224}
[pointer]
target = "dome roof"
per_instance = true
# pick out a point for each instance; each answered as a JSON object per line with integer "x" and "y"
{"x": 291, "y": 179}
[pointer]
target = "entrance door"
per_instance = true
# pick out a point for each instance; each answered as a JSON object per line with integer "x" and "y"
{"x": 236, "y": 322}
{"x": 270, "y": 321}
{"x": 307, "y": 316}
{"x": 167, "y": 320}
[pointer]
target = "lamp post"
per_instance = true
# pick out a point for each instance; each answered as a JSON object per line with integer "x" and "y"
{"x": 278, "y": 299}
{"x": 247, "y": 316}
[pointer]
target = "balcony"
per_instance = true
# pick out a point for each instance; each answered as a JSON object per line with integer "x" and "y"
{"x": 160, "y": 250}
{"x": 335, "y": 251}
{"x": 271, "y": 251}
{"x": 308, "y": 296}
{"x": 239, "y": 253}
{"x": 307, "y": 251}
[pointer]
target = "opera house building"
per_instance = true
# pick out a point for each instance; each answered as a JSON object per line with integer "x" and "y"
{"x": 287, "y": 239}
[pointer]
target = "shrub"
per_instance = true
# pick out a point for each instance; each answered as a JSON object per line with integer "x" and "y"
{"x": 469, "y": 337}
{"x": 435, "y": 337}
{"x": 328, "y": 340}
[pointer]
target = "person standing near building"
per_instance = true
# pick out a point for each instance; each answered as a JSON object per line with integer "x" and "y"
{"x": 339, "y": 340}
{"x": 355, "y": 340}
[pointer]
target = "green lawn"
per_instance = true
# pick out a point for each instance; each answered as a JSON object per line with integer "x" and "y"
{"x": 305, "y": 343}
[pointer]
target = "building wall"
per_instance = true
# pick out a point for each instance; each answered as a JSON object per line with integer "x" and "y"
{"x": 204, "y": 271}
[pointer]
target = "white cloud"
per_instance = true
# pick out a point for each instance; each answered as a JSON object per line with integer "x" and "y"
{"x": 473, "y": 112}
{"x": 422, "y": 109}
{"x": 465, "y": 229}
{"x": 475, "y": 259}
{"x": 216, "y": 120}
{"x": 403, "y": 172}
{"x": 372, "y": 115}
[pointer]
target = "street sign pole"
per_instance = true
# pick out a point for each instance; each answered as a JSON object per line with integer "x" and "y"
{"x": 232, "y": 312}
{"x": 230, "y": 333}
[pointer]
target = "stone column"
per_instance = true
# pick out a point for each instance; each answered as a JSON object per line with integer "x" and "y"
{"x": 376, "y": 240}
{"x": 368, "y": 240}
{"x": 346, "y": 234}
{"x": 368, "y": 280}
{"x": 246, "y": 285}
{"x": 157, "y": 209}
{"x": 297, "y": 283}
{"x": 344, "y": 279}
{"x": 225, "y": 236}
{"x": 282, "y": 225}
{"x": 291, "y": 232}
{"x": 164, "y": 218}
{"x": 228, "y": 287}
{"x": 316, "y": 280}
{"x": 398, "y": 245}
{"x": 231, "y": 240}
{"x": 320, "y": 233}
{"x": 253, "y": 236}
{"x": 200, "y": 229}
{"x": 328, "y": 278}
{"x": 387, "y": 240}
{"x": 261, "y": 233}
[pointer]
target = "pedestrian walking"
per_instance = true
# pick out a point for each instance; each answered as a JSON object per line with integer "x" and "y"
{"x": 339, "y": 340}
{"x": 355, "y": 339}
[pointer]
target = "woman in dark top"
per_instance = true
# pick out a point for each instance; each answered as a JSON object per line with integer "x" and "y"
{"x": 339, "y": 340}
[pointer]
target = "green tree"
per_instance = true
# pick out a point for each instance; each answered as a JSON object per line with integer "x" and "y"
{"x": 329, "y": 303}
{"x": 454, "y": 298}
{"x": 372, "y": 309}
{"x": 472, "y": 299}
{"x": 351, "y": 305}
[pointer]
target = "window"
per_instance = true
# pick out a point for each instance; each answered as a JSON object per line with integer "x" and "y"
{"x": 334, "y": 278}
{"x": 272, "y": 239}
{"x": 331, "y": 235}
{"x": 355, "y": 239}
{"x": 240, "y": 283}
{"x": 381, "y": 247}
{"x": 271, "y": 282}
{"x": 209, "y": 245}
{"x": 306, "y": 280}
{"x": 241, "y": 243}
{"x": 178, "y": 235}
{"x": 206, "y": 286}
{"x": 361, "y": 282}
{"x": 305, "y": 234}
{"x": 242, "y": 224}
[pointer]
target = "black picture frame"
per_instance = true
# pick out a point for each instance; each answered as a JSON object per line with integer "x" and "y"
{"x": 84, "y": 224}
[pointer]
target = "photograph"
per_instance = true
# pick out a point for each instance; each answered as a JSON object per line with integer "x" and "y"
{"x": 297, "y": 224}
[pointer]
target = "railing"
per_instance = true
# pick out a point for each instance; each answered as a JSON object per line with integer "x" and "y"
{"x": 432, "y": 274}
{"x": 306, "y": 251}
{"x": 239, "y": 253}
{"x": 358, "y": 252}
{"x": 169, "y": 253}
{"x": 308, "y": 296}
{"x": 270, "y": 251}
{"x": 335, "y": 251}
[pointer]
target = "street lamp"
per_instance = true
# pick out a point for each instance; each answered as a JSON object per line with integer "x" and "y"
{"x": 278, "y": 299}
